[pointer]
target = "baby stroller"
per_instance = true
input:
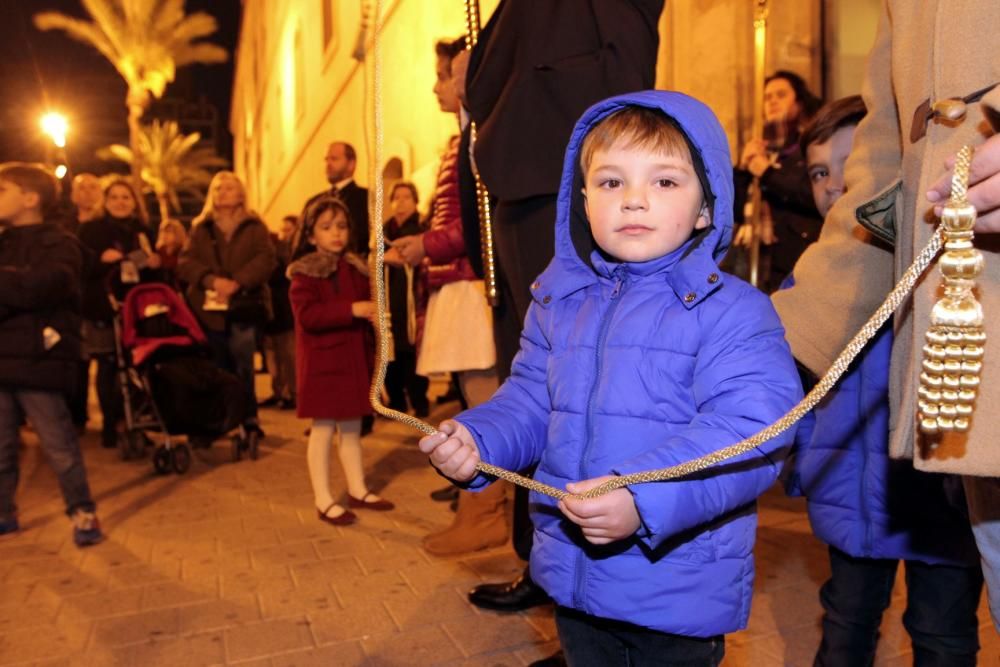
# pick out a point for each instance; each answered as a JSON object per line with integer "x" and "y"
{"x": 169, "y": 384}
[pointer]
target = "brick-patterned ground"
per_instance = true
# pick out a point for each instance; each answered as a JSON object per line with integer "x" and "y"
{"x": 229, "y": 565}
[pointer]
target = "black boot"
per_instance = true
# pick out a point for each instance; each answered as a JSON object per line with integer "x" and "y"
{"x": 517, "y": 595}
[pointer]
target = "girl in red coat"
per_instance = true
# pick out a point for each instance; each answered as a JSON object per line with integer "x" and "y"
{"x": 334, "y": 347}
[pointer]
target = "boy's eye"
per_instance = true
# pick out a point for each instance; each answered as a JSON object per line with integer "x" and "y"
{"x": 818, "y": 174}
{"x": 611, "y": 183}
{"x": 665, "y": 183}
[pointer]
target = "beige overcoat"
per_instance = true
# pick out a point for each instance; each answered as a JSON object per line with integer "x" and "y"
{"x": 924, "y": 51}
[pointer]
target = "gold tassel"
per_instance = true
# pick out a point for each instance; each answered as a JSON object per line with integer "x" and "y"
{"x": 955, "y": 342}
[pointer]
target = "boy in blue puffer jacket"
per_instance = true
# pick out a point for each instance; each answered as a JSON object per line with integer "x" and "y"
{"x": 870, "y": 510}
{"x": 639, "y": 353}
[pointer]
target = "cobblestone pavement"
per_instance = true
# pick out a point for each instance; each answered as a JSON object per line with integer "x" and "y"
{"x": 229, "y": 565}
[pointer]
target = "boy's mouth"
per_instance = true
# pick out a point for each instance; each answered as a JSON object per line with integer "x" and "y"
{"x": 634, "y": 229}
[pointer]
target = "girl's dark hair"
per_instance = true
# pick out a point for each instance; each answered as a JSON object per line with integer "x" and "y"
{"x": 312, "y": 215}
{"x": 845, "y": 112}
{"x": 809, "y": 104}
{"x": 409, "y": 186}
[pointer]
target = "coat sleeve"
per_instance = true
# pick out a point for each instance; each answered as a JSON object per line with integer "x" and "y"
{"x": 510, "y": 428}
{"x": 820, "y": 320}
{"x": 314, "y": 313}
{"x": 194, "y": 265}
{"x": 257, "y": 271}
{"x": 43, "y": 283}
{"x": 744, "y": 380}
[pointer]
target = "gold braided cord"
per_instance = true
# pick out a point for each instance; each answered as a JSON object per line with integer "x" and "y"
{"x": 839, "y": 367}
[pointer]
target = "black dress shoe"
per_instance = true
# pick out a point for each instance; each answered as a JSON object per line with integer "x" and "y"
{"x": 517, "y": 595}
{"x": 269, "y": 402}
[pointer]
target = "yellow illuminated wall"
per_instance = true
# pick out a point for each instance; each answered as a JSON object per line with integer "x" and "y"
{"x": 297, "y": 88}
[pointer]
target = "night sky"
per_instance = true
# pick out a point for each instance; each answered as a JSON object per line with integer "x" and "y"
{"x": 40, "y": 70}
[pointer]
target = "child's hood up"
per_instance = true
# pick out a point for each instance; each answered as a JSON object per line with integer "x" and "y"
{"x": 697, "y": 270}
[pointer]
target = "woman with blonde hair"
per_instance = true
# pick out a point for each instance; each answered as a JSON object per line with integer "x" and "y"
{"x": 226, "y": 264}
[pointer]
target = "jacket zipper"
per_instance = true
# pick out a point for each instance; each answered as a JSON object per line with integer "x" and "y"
{"x": 621, "y": 284}
{"x": 865, "y": 514}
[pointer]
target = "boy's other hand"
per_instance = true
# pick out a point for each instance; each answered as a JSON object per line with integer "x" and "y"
{"x": 984, "y": 186}
{"x": 603, "y": 520}
{"x": 110, "y": 256}
{"x": 452, "y": 450}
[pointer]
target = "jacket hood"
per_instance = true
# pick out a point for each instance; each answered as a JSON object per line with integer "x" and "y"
{"x": 696, "y": 270}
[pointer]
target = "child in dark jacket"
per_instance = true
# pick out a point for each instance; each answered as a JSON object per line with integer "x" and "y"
{"x": 871, "y": 511}
{"x": 333, "y": 355}
{"x": 40, "y": 274}
{"x": 639, "y": 353}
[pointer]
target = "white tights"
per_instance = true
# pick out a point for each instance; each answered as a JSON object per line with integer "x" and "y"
{"x": 318, "y": 456}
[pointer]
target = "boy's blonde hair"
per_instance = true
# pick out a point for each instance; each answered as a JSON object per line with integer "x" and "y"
{"x": 177, "y": 228}
{"x": 635, "y": 127}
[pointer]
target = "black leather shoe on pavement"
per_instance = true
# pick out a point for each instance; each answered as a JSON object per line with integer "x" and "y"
{"x": 517, "y": 595}
{"x": 557, "y": 659}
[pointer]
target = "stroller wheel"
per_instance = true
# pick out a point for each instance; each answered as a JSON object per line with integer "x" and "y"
{"x": 180, "y": 459}
{"x": 161, "y": 460}
{"x": 237, "y": 443}
{"x": 253, "y": 444}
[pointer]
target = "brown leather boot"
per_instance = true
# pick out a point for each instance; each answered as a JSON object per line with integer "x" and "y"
{"x": 479, "y": 523}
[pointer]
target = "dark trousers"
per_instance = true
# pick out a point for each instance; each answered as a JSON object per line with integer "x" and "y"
{"x": 588, "y": 641}
{"x": 524, "y": 238}
{"x": 940, "y": 616}
{"x": 401, "y": 380}
{"x": 109, "y": 394}
{"x": 49, "y": 416}
{"x": 233, "y": 350}
{"x": 78, "y": 400}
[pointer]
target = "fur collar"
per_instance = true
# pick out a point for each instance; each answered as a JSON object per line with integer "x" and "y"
{"x": 323, "y": 264}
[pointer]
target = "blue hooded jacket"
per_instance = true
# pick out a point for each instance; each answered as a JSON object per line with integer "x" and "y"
{"x": 859, "y": 500}
{"x": 627, "y": 367}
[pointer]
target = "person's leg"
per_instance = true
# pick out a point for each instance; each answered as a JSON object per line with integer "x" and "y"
{"x": 50, "y": 417}
{"x": 983, "y": 497}
{"x": 853, "y": 600}
{"x": 349, "y": 451}
{"x": 650, "y": 648}
{"x": 321, "y": 435}
{"x": 10, "y": 418}
{"x": 941, "y": 604}
{"x": 109, "y": 395}
{"x": 242, "y": 342}
{"x": 395, "y": 386}
{"x": 78, "y": 401}
{"x": 271, "y": 361}
{"x": 586, "y": 644}
{"x": 285, "y": 351}
{"x": 416, "y": 385}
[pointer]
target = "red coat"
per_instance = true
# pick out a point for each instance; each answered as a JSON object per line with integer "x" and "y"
{"x": 334, "y": 351}
{"x": 444, "y": 242}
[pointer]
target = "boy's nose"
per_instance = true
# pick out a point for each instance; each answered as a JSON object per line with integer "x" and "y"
{"x": 634, "y": 199}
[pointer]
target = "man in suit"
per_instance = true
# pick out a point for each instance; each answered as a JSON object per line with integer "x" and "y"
{"x": 341, "y": 161}
{"x": 536, "y": 68}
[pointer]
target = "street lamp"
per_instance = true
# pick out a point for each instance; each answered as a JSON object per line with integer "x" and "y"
{"x": 55, "y": 125}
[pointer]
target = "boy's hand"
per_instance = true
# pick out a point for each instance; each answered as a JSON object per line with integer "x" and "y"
{"x": 984, "y": 186}
{"x": 452, "y": 450}
{"x": 603, "y": 520}
{"x": 110, "y": 256}
{"x": 411, "y": 248}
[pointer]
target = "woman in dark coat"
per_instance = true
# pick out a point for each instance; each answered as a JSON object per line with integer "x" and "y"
{"x": 113, "y": 240}
{"x": 790, "y": 219}
{"x": 226, "y": 266}
{"x": 405, "y": 297}
{"x": 334, "y": 348}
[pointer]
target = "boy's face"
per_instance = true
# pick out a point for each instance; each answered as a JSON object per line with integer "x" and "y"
{"x": 15, "y": 202}
{"x": 331, "y": 232}
{"x": 826, "y": 167}
{"x": 642, "y": 204}
{"x": 444, "y": 87}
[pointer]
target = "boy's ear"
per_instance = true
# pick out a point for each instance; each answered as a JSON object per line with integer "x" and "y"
{"x": 586, "y": 209}
{"x": 704, "y": 217}
{"x": 31, "y": 199}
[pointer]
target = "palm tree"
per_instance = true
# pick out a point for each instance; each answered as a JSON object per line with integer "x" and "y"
{"x": 168, "y": 163}
{"x": 146, "y": 41}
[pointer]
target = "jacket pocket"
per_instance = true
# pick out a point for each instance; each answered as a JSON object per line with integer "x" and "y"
{"x": 879, "y": 214}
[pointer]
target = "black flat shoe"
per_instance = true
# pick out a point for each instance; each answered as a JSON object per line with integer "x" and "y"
{"x": 517, "y": 595}
{"x": 446, "y": 494}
